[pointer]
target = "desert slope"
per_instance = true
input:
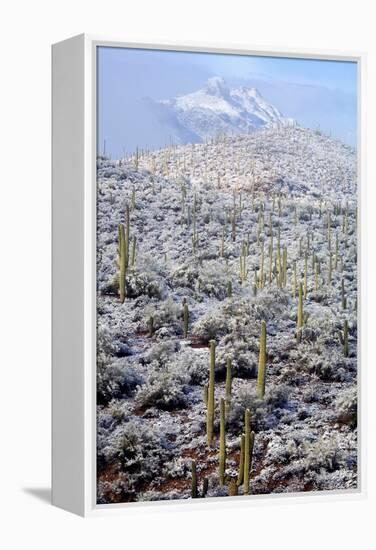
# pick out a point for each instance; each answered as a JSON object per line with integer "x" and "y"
{"x": 230, "y": 228}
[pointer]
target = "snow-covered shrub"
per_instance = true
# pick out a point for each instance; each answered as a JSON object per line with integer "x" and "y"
{"x": 213, "y": 279}
{"x": 211, "y": 326}
{"x": 263, "y": 411}
{"x": 115, "y": 380}
{"x": 136, "y": 448}
{"x": 186, "y": 275}
{"x": 346, "y": 405}
{"x": 194, "y": 367}
{"x": 138, "y": 283}
{"x": 243, "y": 361}
{"x": 327, "y": 364}
{"x": 161, "y": 352}
{"x": 164, "y": 390}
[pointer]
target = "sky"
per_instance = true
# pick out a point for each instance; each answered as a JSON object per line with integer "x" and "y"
{"x": 317, "y": 93}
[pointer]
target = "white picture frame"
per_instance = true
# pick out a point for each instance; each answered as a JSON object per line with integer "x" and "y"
{"x": 74, "y": 271}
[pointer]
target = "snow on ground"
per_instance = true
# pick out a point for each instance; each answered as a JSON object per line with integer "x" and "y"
{"x": 292, "y": 183}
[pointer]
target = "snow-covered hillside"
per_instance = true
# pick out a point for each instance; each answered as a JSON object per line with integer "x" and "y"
{"x": 222, "y": 237}
{"x": 218, "y": 109}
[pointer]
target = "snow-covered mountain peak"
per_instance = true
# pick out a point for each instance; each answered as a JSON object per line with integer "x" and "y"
{"x": 218, "y": 109}
{"x": 217, "y": 86}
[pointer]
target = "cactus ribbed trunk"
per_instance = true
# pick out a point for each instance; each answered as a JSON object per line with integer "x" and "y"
{"x": 262, "y": 362}
{"x": 247, "y": 450}
{"x": 210, "y": 406}
{"x": 228, "y": 379}
{"x": 133, "y": 259}
{"x": 194, "y": 492}
{"x": 346, "y": 339}
{"x": 299, "y": 324}
{"x": 186, "y": 319}
{"x": 121, "y": 262}
{"x": 241, "y": 461}
{"x": 222, "y": 442}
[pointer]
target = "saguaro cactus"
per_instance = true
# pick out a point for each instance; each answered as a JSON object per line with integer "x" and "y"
{"x": 344, "y": 338}
{"x": 185, "y": 319}
{"x": 126, "y": 244}
{"x": 151, "y": 325}
{"x": 229, "y": 289}
{"x": 210, "y": 407}
{"x": 247, "y": 450}
{"x": 284, "y": 272}
{"x": 121, "y": 261}
{"x": 222, "y": 442}
{"x": 241, "y": 461}
{"x": 300, "y": 319}
{"x": 194, "y": 492}
{"x": 232, "y": 488}
{"x": 343, "y": 295}
{"x": 262, "y": 361}
{"x": 228, "y": 379}
{"x": 133, "y": 259}
{"x": 294, "y": 281}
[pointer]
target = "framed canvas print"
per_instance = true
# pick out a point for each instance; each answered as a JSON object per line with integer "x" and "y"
{"x": 205, "y": 274}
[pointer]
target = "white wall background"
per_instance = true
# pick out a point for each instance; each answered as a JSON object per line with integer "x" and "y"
{"x": 27, "y": 30}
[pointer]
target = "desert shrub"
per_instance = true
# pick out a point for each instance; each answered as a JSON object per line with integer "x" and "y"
{"x": 213, "y": 280}
{"x": 138, "y": 283}
{"x": 105, "y": 341}
{"x": 161, "y": 352}
{"x": 115, "y": 380}
{"x": 186, "y": 275}
{"x": 193, "y": 367}
{"x": 243, "y": 361}
{"x": 166, "y": 314}
{"x": 263, "y": 411}
{"x": 210, "y": 326}
{"x": 327, "y": 364}
{"x": 136, "y": 448}
{"x": 346, "y": 406}
{"x": 164, "y": 390}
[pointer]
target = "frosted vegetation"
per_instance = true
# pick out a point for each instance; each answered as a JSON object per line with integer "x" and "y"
{"x": 227, "y": 324}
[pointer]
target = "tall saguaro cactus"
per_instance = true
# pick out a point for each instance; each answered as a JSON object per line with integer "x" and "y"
{"x": 210, "y": 407}
{"x": 121, "y": 261}
{"x": 247, "y": 450}
{"x": 185, "y": 319}
{"x": 300, "y": 320}
{"x": 222, "y": 442}
{"x": 262, "y": 361}
{"x": 194, "y": 492}
{"x": 344, "y": 338}
{"x": 241, "y": 461}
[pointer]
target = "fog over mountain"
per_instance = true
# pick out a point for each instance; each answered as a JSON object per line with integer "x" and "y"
{"x": 147, "y": 99}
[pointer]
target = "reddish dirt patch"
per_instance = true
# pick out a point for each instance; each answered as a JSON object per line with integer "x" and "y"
{"x": 198, "y": 343}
